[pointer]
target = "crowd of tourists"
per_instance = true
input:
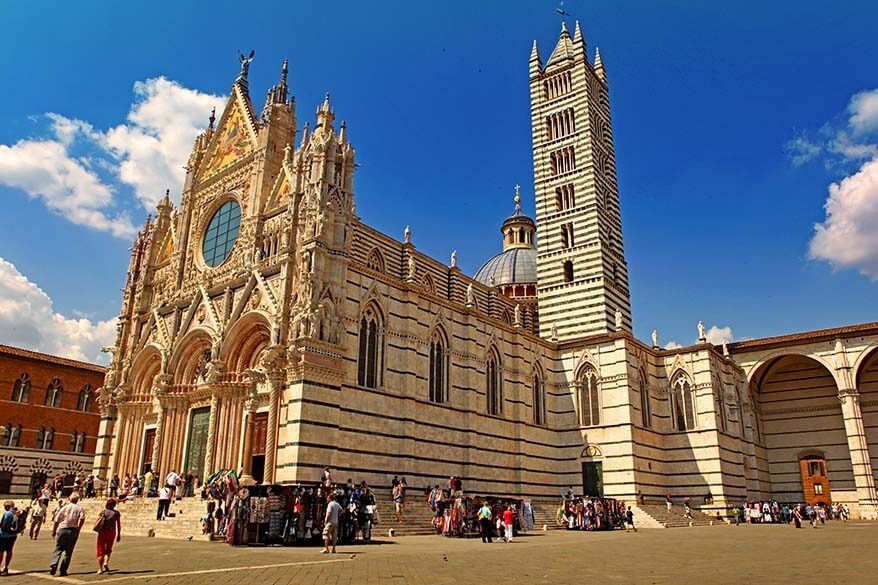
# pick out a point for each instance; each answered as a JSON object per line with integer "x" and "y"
{"x": 593, "y": 513}
{"x": 773, "y": 512}
{"x": 67, "y": 522}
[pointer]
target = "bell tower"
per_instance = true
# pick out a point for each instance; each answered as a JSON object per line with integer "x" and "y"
{"x": 582, "y": 276}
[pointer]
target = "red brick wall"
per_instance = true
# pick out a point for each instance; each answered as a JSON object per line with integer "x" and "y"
{"x": 33, "y": 415}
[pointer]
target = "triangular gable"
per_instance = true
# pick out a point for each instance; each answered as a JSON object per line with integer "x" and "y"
{"x": 167, "y": 248}
{"x": 235, "y": 137}
{"x": 280, "y": 193}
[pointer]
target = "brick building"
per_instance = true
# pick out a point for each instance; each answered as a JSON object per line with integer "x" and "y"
{"x": 48, "y": 417}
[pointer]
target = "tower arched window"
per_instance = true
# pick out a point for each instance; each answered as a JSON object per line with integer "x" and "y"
{"x": 74, "y": 441}
{"x": 53, "y": 393}
{"x": 438, "y": 378}
{"x": 589, "y": 398}
{"x": 12, "y": 435}
{"x": 683, "y": 404}
{"x": 494, "y": 383}
{"x": 21, "y": 389}
{"x": 77, "y": 442}
{"x": 645, "y": 406}
{"x": 539, "y": 399}
{"x": 84, "y": 400}
{"x": 370, "y": 349}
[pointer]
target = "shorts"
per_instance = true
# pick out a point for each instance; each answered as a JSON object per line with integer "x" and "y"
{"x": 106, "y": 538}
{"x": 6, "y": 543}
{"x": 330, "y": 531}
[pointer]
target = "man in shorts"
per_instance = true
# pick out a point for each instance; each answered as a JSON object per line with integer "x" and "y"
{"x": 330, "y": 525}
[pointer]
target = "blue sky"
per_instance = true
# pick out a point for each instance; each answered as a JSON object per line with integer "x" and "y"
{"x": 731, "y": 121}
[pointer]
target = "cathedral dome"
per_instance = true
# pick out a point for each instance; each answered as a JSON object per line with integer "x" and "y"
{"x": 512, "y": 266}
{"x": 517, "y": 263}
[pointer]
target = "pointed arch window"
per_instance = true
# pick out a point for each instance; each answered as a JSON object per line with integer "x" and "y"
{"x": 739, "y": 406}
{"x": 53, "y": 393}
{"x": 21, "y": 389}
{"x": 370, "y": 349}
{"x": 494, "y": 383}
{"x": 645, "y": 406}
{"x": 13, "y": 433}
{"x": 85, "y": 398}
{"x": 375, "y": 261}
{"x": 539, "y": 399}
{"x": 683, "y": 404}
{"x": 438, "y": 368}
{"x": 719, "y": 392}
{"x": 589, "y": 398}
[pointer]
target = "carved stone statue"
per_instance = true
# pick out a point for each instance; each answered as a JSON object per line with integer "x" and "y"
{"x": 655, "y": 338}
{"x": 553, "y": 334}
{"x": 407, "y": 235}
{"x": 517, "y": 321}
{"x": 470, "y": 296}
{"x": 618, "y": 319}
{"x": 454, "y": 259}
{"x": 245, "y": 63}
{"x": 701, "y": 335}
{"x": 412, "y": 268}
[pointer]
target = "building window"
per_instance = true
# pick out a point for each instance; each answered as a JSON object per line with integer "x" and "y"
{"x": 494, "y": 383}
{"x": 53, "y": 393}
{"x": 11, "y": 437}
{"x": 375, "y": 261}
{"x": 589, "y": 398}
{"x": 45, "y": 439}
{"x": 438, "y": 368}
{"x": 818, "y": 489}
{"x": 369, "y": 359}
{"x": 568, "y": 271}
{"x": 84, "y": 400}
{"x": 77, "y": 442}
{"x": 539, "y": 400}
{"x": 221, "y": 233}
{"x": 645, "y": 407}
{"x": 21, "y": 389}
{"x": 564, "y": 198}
{"x": 683, "y": 404}
{"x": 567, "y": 235}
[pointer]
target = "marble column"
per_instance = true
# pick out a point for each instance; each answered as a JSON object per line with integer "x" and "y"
{"x": 276, "y": 385}
{"x": 859, "y": 451}
{"x": 211, "y": 434}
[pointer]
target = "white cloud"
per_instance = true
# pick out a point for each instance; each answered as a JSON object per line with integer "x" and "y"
{"x": 154, "y": 145}
{"x": 719, "y": 335}
{"x": 672, "y": 345}
{"x": 863, "y": 109}
{"x": 801, "y": 149}
{"x": 28, "y": 319}
{"x": 848, "y": 237}
{"x": 44, "y": 169}
{"x": 147, "y": 153}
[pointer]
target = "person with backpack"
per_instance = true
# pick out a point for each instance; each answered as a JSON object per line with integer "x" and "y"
{"x": 109, "y": 529}
{"x": 9, "y": 529}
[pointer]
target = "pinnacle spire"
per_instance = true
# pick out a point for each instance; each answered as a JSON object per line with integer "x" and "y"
{"x": 577, "y": 33}
{"x": 535, "y": 52}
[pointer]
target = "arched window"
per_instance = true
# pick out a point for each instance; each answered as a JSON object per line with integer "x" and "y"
{"x": 74, "y": 441}
{"x": 375, "y": 261}
{"x": 739, "y": 406}
{"x": 438, "y": 368}
{"x": 84, "y": 400}
{"x": 13, "y": 433}
{"x": 53, "y": 393}
{"x": 645, "y": 406}
{"x": 369, "y": 359}
{"x": 683, "y": 404}
{"x": 494, "y": 383}
{"x": 539, "y": 399}
{"x": 21, "y": 389}
{"x": 719, "y": 392}
{"x": 589, "y": 398}
{"x": 77, "y": 442}
{"x": 45, "y": 438}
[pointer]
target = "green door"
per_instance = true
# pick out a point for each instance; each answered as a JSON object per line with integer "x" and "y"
{"x": 592, "y": 479}
{"x": 197, "y": 447}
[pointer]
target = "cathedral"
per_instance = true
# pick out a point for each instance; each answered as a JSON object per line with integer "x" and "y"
{"x": 266, "y": 328}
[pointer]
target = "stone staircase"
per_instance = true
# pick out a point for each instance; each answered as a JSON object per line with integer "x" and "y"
{"x": 659, "y": 515}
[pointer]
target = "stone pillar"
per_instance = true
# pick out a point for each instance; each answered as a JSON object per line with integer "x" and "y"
{"x": 859, "y": 451}
{"x": 157, "y": 443}
{"x": 211, "y": 434}
{"x": 276, "y": 384}
{"x": 106, "y": 438}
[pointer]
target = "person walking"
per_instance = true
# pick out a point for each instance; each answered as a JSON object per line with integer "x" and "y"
{"x": 668, "y": 502}
{"x": 629, "y": 519}
{"x": 164, "y": 503}
{"x": 398, "y": 501}
{"x": 8, "y": 535}
{"x": 109, "y": 529}
{"x": 40, "y": 508}
{"x": 509, "y": 523}
{"x": 68, "y": 523}
{"x": 330, "y": 525}
{"x": 485, "y": 524}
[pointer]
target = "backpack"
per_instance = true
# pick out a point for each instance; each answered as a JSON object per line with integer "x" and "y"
{"x": 14, "y": 525}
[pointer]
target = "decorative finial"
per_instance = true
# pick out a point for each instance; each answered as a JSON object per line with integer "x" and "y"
{"x": 212, "y": 119}
{"x": 564, "y": 28}
{"x": 517, "y": 197}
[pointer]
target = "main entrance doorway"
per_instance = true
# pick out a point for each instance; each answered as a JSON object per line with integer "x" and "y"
{"x": 592, "y": 479}
{"x": 197, "y": 447}
{"x": 148, "y": 447}
{"x": 258, "y": 433}
{"x": 815, "y": 481}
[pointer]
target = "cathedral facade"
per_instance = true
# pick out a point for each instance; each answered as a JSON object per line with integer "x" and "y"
{"x": 266, "y": 328}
